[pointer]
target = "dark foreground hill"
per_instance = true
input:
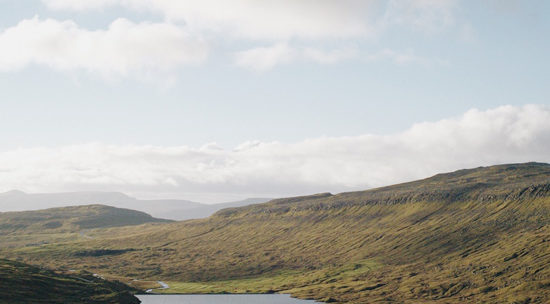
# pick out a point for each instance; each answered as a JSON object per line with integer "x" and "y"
{"x": 20, "y": 283}
{"x": 471, "y": 236}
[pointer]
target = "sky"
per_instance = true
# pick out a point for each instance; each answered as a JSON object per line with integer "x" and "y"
{"x": 217, "y": 100}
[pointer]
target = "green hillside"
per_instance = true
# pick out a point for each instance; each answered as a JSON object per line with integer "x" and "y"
{"x": 21, "y": 283}
{"x": 67, "y": 224}
{"x": 72, "y": 218}
{"x": 471, "y": 236}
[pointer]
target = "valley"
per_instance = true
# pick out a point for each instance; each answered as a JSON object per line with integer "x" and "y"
{"x": 476, "y": 235}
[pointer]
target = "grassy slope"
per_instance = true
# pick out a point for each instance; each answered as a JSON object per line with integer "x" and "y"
{"x": 21, "y": 283}
{"x": 34, "y": 228}
{"x": 72, "y": 218}
{"x": 468, "y": 236}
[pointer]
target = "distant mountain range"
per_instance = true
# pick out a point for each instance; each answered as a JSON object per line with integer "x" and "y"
{"x": 16, "y": 200}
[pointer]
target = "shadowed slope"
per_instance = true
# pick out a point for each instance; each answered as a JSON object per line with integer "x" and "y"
{"x": 22, "y": 283}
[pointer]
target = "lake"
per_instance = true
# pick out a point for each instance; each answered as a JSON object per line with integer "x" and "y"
{"x": 222, "y": 299}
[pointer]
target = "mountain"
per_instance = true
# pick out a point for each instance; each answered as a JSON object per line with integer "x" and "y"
{"x": 16, "y": 200}
{"x": 67, "y": 219}
{"x": 203, "y": 210}
{"x": 472, "y": 236}
{"x": 23, "y": 283}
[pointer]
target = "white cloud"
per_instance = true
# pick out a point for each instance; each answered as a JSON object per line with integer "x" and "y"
{"x": 122, "y": 49}
{"x": 295, "y": 30}
{"x": 331, "y": 56}
{"x": 282, "y": 20}
{"x": 405, "y": 57}
{"x": 467, "y": 33}
{"x": 266, "y": 58}
{"x": 501, "y": 135}
{"x": 266, "y": 19}
{"x": 425, "y": 15}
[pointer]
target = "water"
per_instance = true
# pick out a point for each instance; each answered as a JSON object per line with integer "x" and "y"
{"x": 222, "y": 299}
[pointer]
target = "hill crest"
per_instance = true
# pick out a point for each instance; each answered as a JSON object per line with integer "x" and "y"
{"x": 73, "y": 218}
{"x": 508, "y": 181}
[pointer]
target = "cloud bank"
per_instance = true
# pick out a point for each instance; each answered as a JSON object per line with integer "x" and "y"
{"x": 282, "y": 20}
{"x": 505, "y": 134}
{"x": 266, "y": 58}
{"x": 266, "y": 19}
{"x": 122, "y": 49}
{"x": 275, "y": 32}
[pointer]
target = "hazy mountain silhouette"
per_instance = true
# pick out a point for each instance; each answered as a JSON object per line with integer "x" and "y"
{"x": 173, "y": 209}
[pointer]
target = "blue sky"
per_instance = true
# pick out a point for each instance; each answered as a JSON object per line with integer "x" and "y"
{"x": 236, "y": 72}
